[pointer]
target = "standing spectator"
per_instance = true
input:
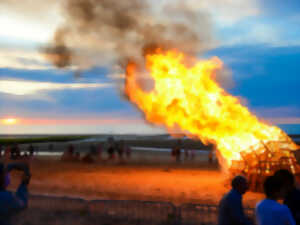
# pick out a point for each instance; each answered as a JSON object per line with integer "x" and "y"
{"x": 231, "y": 210}
{"x": 210, "y": 157}
{"x": 269, "y": 211}
{"x": 292, "y": 198}
{"x": 30, "y": 150}
{"x": 111, "y": 148}
{"x": 193, "y": 154}
{"x": 7, "y": 153}
{"x": 186, "y": 154}
{"x": 11, "y": 203}
{"x": 120, "y": 150}
{"x": 127, "y": 150}
{"x": 93, "y": 149}
{"x": 50, "y": 147}
{"x": 177, "y": 150}
{"x": 99, "y": 151}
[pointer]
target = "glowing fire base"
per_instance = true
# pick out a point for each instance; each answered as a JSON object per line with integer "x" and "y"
{"x": 257, "y": 164}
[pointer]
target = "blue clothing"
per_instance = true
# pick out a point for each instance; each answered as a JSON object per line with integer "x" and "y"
{"x": 11, "y": 203}
{"x": 270, "y": 212}
{"x": 231, "y": 211}
{"x": 292, "y": 201}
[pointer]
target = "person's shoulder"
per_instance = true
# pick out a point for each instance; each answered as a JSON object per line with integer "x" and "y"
{"x": 261, "y": 204}
{"x": 283, "y": 208}
{"x": 6, "y": 195}
{"x": 230, "y": 196}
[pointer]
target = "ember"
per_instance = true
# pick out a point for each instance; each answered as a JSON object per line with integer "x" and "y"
{"x": 187, "y": 97}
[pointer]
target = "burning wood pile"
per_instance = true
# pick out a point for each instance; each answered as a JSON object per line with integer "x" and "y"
{"x": 180, "y": 93}
{"x": 257, "y": 164}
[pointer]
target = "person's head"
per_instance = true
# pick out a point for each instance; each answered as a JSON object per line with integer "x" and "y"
{"x": 274, "y": 188}
{"x": 287, "y": 178}
{"x": 240, "y": 183}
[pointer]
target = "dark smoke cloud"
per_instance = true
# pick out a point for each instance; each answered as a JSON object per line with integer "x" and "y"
{"x": 59, "y": 54}
{"x": 100, "y": 31}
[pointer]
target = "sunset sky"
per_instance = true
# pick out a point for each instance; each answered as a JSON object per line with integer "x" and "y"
{"x": 258, "y": 40}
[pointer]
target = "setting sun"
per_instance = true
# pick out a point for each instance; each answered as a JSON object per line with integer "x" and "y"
{"x": 9, "y": 121}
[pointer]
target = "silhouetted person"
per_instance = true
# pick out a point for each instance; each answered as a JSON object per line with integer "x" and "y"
{"x": 120, "y": 150}
{"x": 11, "y": 203}
{"x": 15, "y": 152}
{"x": 111, "y": 148}
{"x": 1, "y": 150}
{"x": 93, "y": 149}
{"x": 88, "y": 158}
{"x": 193, "y": 154}
{"x": 31, "y": 150}
{"x": 210, "y": 157}
{"x": 186, "y": 154}
{"x": 77, "y": 156}
{"x": 231, "y": 210}
{"x": 269, "y": 211}
{"x": 50, "y": 147}
{"x": 99, "y": 151}
{"x": 177, "y": 151}
{"x": 292, "y": 197}
{"x": 68, "y": 154}
{"x": 127, "y": 151}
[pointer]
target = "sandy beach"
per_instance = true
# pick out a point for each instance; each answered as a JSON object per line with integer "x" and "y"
{"x": 148, "y": 175}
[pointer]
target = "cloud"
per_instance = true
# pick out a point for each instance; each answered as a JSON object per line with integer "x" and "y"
{"x": 227, "y": 12}
{"x": 23, "y": 59}
{"x": 23, "y": 87}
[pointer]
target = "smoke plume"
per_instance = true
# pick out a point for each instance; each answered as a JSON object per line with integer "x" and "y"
{"x": 97, "y": 32}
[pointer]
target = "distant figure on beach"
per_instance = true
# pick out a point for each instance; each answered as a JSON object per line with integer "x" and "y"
{"x": 77, "y": 156}
{"x": 210, "y": 157}
{"x": 50, "y": 147}
{"x": 7, "y": 153}
{"x": 15, "y": 152}
{"x": 30, "y": 150}
{"x": 12, "y": 203}
{"x": 93, "y": 149}
{"x": 68, "y": 155}
{"x": 292, "y": 197}
{"x": 88, "y": 158}
{"x": 193, "y": 154}
{"x": 120, "y": 150}
{"x": 127, "y": 150}
{"x": 111, "y": 148}
{"x": 231, "y": 210}
{"x": 269, "y": 211}
{"x": 99, "y": 152}
{"x": 176, "y": 151}
{"x": 186, "y": 154}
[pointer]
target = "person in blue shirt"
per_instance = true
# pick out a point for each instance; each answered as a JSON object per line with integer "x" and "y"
{"x": 231, "y": 210}
{"x": 292, "y": 197}
{"x": 11, "y": 203}
{"x": 269, "y": 211}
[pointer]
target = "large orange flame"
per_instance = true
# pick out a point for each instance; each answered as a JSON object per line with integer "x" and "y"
{"x": 189, "y": 98}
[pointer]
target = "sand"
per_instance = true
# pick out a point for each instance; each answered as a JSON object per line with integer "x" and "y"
{"x": 146, "y": 176}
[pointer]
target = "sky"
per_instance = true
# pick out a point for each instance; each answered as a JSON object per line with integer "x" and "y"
{"x": 258, "y": 41}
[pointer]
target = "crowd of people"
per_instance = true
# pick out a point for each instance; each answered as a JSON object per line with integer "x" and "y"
{"x": 13, "y": 152}
{"x": 116, "y": 150}
{"x": 278, "y": 188}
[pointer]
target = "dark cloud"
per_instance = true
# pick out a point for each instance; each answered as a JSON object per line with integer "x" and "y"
{"x": 122, "y": 30}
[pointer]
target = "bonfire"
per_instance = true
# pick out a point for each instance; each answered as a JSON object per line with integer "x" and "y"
{"x": 181, "y": 93}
